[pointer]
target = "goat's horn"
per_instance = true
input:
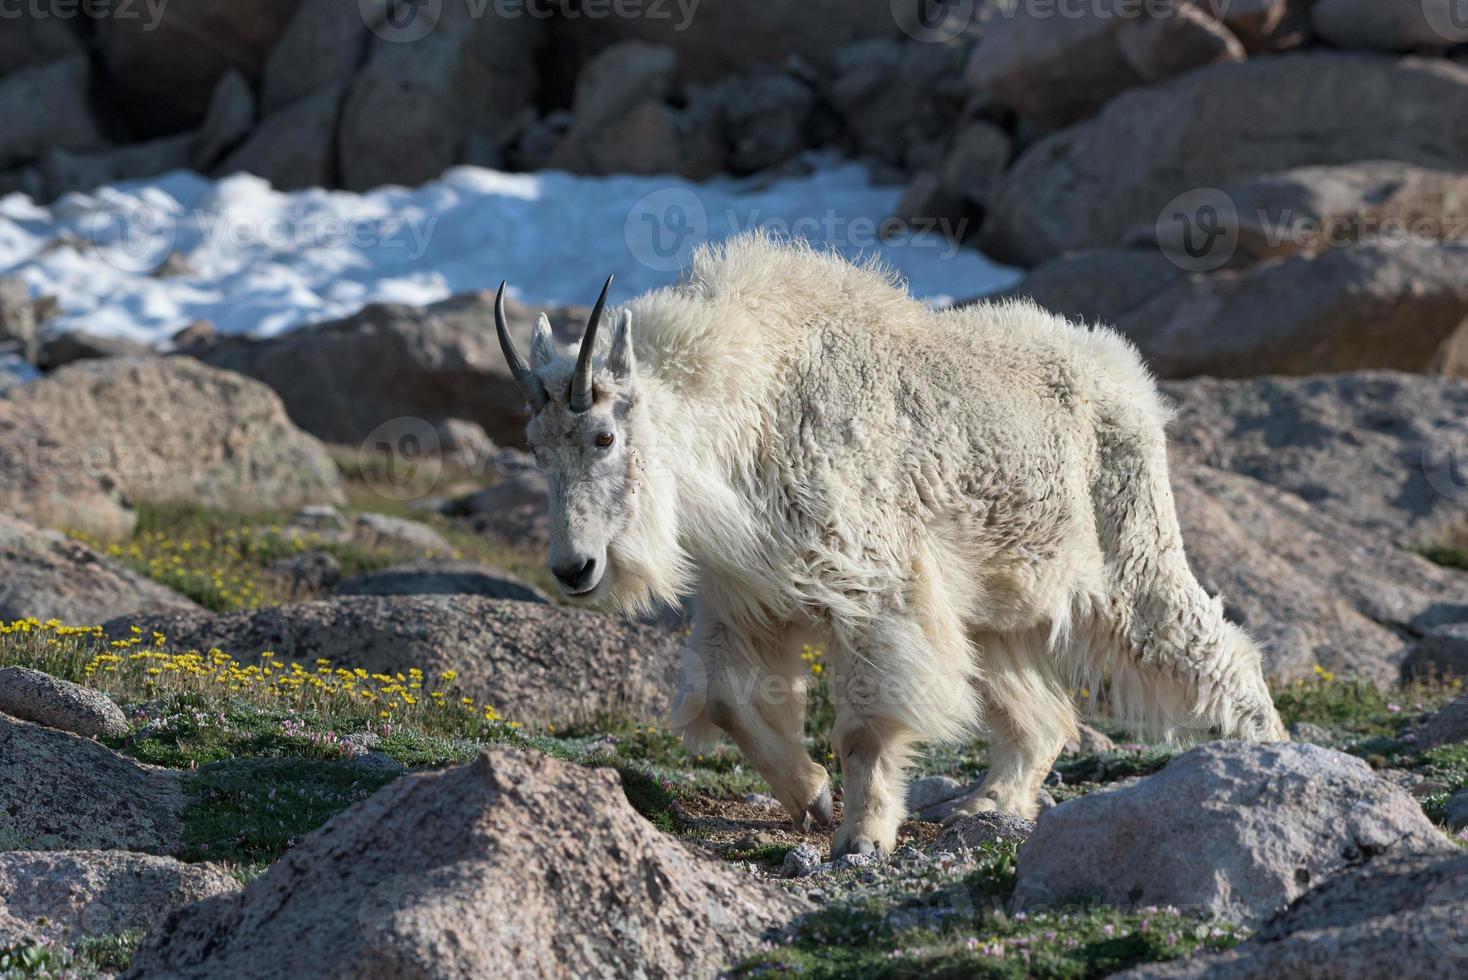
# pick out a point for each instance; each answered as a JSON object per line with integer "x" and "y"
{"x": 529, "y": 383}
{"x": 581, "y": 381}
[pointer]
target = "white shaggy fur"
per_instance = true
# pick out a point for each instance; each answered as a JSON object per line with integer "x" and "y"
{"x": 969, "y": 510}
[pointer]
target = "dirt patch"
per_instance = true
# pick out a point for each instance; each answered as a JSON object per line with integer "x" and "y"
{"x": 739, "y": 829}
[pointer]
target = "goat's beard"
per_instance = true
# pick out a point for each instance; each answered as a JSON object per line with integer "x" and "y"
{"x": 647, "y": 564}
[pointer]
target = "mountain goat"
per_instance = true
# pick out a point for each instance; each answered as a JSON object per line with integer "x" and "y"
{"x": 969, "y": 510}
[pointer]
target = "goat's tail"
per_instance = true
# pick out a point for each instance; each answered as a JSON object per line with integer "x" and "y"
{"x": 1159, "y": 645}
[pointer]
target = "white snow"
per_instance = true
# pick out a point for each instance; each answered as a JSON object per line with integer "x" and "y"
{"x": 259, "y": 261}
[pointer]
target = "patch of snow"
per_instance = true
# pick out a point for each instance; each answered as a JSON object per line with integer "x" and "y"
{"x": 253, "y": 260}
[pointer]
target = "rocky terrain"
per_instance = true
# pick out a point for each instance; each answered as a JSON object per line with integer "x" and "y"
{"x": 348, "y": 703}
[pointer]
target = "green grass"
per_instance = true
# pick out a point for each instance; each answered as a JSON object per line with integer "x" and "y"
{"x": 1357, "y": 708}
{"x": 956, "y": 926}
{"x": 88, "y": 957}
{"x": 221, "y": 559}
{"x": 1450, "y": 556}
{"x": 251, "y": 811}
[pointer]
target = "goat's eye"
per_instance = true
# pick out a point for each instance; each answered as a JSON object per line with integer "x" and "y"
{"x": 604, "y": 440}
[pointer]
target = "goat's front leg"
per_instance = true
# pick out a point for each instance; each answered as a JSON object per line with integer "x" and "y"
{"x": 875, "y": 730}
{"x": 754, "y": 689}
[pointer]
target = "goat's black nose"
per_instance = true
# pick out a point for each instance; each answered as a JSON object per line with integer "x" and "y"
{"x": 576, "y": 573}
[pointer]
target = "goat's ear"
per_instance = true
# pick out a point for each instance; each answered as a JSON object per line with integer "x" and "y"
{"x": 620, "y": 358}
{"x": 542, "y": 344}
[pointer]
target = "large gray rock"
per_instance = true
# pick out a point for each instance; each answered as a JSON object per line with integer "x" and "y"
{"x": 47, "y": 107}
{"x": 1231, "y": 830}
{"x": 1448, "y": 724}
{"x": 533, "y": 662}
{"x": 1376, "y": 202}
{"x": 1103, "y": 285}
{"x": 1442, "y": 653}
{"x": 715, "y": 40}
{"x": 321, "y": 48}
{"x": 230, "y": 118}
{"x": 48, "y": 482}
{"x": 420, "y": 99}
{"x": 1397, "y": 916}
{"x": 1399, "y": 307}
{"x": 384, "y": 532}
{"x": 1310, "y": 587}
{"x": 513, "y": 510}
{"x": 1054, "y": 70}
{"x": 1389, "y": 25}
{"x": 441, "y": 578}
{"x": 173, "y": 429}
{"x": 59, "y": 791}
{"x": 70, "y": 895}
{"x": 67, "y": 171}
{"x": 766, "y": 120}
{"x": 341, "y": 380}
{"x": 1089, "y": 185}
{"x": 516, "y": 865}
{"x": 619, "y": 122}
{"x": 33, "y": 695}
{"x": 165, "y": 62}
{"x": 1367, "y": 448}
{"x": 894, "y": 97}
{"x": 292, "y": 148}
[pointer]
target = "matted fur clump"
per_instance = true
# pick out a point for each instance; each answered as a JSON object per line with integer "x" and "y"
{"x": 969, "y": 510}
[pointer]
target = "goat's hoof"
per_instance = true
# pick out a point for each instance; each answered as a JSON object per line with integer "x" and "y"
{"x": 968, "y": 808}
{"x": 817, "y": 812}
{"x": 856, "y": 845}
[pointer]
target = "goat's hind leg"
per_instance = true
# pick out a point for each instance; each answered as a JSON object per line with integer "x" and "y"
{"x": 893, "y": 683}
{"x": 754, "y": 689}
{"x": 1029, "y": 714}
